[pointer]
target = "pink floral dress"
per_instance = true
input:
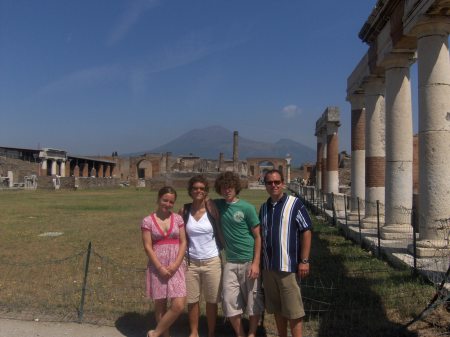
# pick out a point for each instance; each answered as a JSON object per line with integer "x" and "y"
{"x": 166, "y": 247}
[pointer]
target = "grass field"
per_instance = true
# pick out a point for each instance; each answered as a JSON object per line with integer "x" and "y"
{"x": 349, "y": 293}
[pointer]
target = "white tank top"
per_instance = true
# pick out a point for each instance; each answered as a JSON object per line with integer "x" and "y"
{"x": 202, "y": 244}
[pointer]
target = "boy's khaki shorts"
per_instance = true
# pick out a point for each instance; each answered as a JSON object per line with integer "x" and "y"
{"x": 241, "y": 294}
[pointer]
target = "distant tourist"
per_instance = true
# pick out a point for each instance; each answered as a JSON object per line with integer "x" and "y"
{"x": 204, "y": 239}
{"x": 286, "y": 233}
{"x": 164, "y": 239}
{"x": 241, "y": 275}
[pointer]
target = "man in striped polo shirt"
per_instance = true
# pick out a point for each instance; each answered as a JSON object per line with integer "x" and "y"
{"x": 286, "y": 234}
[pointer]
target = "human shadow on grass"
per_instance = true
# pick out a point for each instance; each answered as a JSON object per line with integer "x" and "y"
{"x": 134, "y": 324}
{"x": 340, "y": 302}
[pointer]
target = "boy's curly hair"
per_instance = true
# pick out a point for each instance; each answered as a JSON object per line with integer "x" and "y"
{"x": 228, "y": 179}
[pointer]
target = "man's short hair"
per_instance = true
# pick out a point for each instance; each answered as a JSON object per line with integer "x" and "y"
{"x": 228, "y": 180}
{"x": 272, "y": 172}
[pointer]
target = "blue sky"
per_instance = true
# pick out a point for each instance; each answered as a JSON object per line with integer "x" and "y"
{"x": 97, "y": 76}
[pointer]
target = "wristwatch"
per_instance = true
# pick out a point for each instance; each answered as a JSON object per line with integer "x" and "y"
{"x": 304, "y": 261}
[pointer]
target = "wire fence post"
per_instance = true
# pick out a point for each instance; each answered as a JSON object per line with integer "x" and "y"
{"x": 345, "y": 209}
{"x": 413, "y": 221}
{"x": 378, "y": 228}
{"x": 359, "y": 223}
{"x": 333, "y": 210}
{"x": 83, "y": 290}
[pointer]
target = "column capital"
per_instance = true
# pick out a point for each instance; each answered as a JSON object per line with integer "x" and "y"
{"x": 332, "y": 128}
{"x": 435, "y": 25}
{"x": 374, "y": 85}
{"x": 357, "y": 100}
{"x": 402, "y": 59}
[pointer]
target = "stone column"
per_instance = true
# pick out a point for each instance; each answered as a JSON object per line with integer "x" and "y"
{"x": 10, "y": 175}
{"x": 399, "y": 148}
{"x": 434, "y": 138}
{"x": 332, "y": 158}
{"x": 220, "y": 168}
{"x": 62, "y": 169}
{"x": 288, "y": 169}
{"x": 44, "y": 167}
{"x": 358, "y": 145}
{"x": 167, "y": 161}
{"x": 375, "y": 150}
{"x": 235, "y": 151}
{"x": 53, "y": 167}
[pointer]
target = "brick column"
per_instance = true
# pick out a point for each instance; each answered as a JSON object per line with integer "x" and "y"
{"x": 319, "y": 163}
{"x": 332, "y": 158}
{"x": 434, "y": 137}
{"x": 76, "y": 171}
{"x": 358, "y": 144}
{"x": 399, "y": 148}
{"x": 100, "y": 172}
{"x": 85, "y": 170}
{"x": 375, "y": 149}
{"x": 324, "y": 163}
{"x": 108, "y": 171}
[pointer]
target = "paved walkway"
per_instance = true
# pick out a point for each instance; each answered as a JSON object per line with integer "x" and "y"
{"x": 18, "y": 328}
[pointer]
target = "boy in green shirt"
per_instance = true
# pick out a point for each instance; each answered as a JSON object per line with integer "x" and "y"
{"x": 241, "y": 275}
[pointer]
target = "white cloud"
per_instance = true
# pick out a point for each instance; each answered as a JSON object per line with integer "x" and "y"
{"x": 291, "y": 111}
{"x": 84, "y": 79}
{"x": 129, "y": 18}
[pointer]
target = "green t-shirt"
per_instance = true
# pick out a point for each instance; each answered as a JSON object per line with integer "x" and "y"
{"x": 237, "y": 220}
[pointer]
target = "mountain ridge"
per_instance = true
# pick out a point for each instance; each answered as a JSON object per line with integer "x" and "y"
{"x": 210, "y": 141}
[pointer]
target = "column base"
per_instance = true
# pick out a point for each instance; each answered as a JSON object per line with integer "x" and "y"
{"x": 371, "y": 222}
{"x": 353, "y": 215}
{"x": 431, "y": 248}
{"x": 396, "y": 232}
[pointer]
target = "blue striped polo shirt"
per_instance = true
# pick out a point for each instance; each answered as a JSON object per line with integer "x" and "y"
{"x": 281, "y": 226}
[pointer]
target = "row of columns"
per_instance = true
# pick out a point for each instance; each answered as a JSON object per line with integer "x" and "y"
{"x": 58, "y": 167}
{"x": 383, "y": 153}
{"x": 327, "y": 165}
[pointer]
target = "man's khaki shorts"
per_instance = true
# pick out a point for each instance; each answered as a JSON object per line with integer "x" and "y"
{"x": 282, "y": 294}
{"x": 241, "y": 294}
{"x": 204, "y": 277}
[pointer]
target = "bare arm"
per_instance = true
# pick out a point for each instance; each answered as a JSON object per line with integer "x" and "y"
{"x": 148, "y": 247}
{"x": 254, "y": 269}
{"x": 305, "y": 242}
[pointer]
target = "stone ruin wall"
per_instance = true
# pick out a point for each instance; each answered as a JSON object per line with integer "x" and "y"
{"x": 20, "y": 168}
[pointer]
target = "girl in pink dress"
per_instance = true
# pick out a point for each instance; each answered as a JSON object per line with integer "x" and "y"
{"x": 164, "y": 239}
